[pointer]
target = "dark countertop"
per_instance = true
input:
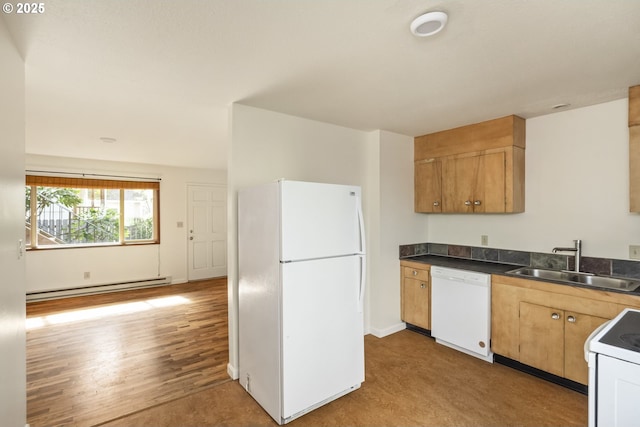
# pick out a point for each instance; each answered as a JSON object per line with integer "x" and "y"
{"x": 497, "y": 268}
{"x": 463, "y": 263}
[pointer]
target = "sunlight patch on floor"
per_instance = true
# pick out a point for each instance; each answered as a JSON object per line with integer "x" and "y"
{"x": 106, "y": 311}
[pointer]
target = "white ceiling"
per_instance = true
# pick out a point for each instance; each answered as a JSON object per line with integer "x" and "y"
{"x": 159, "y": 76}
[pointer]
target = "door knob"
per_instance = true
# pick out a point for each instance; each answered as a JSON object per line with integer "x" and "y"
{"x": 422, "y": 285}
{"x": 436, "y": 203}
{"x": 191, "y": 238}
{"x": 467, "y": 202}
{"x": 555, "y": 316}
{"x": 571, "y": 319}
{"x": 477, "y": 203}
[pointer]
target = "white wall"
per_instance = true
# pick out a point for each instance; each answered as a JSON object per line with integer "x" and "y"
{"x": 266, "y": 146}
{"x": 59, "y": 269}
{"x": 577, "y": 172}
{"x": 13, "y": 397}
{"x": 396, "y": 224}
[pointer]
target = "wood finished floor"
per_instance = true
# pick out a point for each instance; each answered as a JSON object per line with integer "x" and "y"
{"x": 165, "y": 343}
{"x": 410, "y": 381}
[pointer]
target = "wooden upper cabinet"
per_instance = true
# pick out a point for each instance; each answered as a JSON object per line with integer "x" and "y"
{"x": 458, "y": 175}
{"x": 428, "y": 193}
{"x": 474, "y": 183}
{"x": 634, "y": 106}
{"x": 634, "y": 149}
{"x": 475, "y": 168}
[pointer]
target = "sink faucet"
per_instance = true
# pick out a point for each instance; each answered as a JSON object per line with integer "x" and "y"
{"x": 577, "y": 249}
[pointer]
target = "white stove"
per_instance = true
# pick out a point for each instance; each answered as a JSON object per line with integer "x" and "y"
{"x": 613, "y": 354}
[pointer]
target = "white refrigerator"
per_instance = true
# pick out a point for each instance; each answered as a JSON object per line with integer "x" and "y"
{"x": 301, "y": 264}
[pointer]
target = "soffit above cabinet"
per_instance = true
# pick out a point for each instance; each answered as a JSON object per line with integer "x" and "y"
{"x": 498, "y": 133}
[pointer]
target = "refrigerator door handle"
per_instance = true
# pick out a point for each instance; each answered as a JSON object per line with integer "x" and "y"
{"x": 363, "y": 258}
{"x": 363, "y": 276}
{"x": 361, "y": 224}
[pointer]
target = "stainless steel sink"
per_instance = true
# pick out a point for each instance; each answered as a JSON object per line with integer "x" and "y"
{"x": 587, "y": 279}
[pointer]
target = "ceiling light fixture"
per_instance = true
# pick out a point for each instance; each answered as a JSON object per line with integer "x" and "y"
{"x": 428, "y": 24}
{"x": 107, "y": 140}
{"x": 558, "y": 106}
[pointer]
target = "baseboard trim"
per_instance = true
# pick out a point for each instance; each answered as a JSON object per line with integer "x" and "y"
{"x": 381, "y": 333}
{"x": 232, "y": 372}
{"x": 97, "y": 289}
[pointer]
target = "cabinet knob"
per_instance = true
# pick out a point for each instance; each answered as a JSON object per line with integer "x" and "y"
{"x": 422, "y": 285}
{"x": 555, "y": 316}
{"x": 415, "y": 273}
{"x": 571, "y": 319}
{"x": 477, "y": 203}
{"x": 467, "y": 202}
{"x": 436, "y": 203}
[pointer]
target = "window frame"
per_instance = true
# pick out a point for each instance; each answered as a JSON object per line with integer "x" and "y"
{"x": 35, "y": 181}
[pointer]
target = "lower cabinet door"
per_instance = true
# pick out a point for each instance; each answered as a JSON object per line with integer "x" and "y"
{"x": 416, "y": 302}
{"x": 542, "y": 337}
{"x": 577, "y": 328}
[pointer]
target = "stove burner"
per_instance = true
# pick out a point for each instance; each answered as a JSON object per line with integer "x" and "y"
{"x": 631, "y": 339}
{"x": 625, "y": 333}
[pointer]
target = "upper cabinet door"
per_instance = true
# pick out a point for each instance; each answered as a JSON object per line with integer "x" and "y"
{"x": 489, "y": 191}
{"x": 474, "y": 183}
{"x": 458, "y": 176}
{"x": 428, "y": 186}
{"x": 634, "y": 149}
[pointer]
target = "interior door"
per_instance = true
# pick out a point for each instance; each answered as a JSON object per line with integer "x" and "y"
{"x": 207, "y": 231}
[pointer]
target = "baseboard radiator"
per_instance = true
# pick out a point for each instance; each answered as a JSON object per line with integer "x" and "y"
{"x": 98, "y": 289}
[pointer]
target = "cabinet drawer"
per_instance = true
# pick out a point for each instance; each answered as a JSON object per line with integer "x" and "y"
{"x": 416, "y": 273}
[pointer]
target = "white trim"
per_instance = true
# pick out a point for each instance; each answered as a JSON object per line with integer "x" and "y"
{"x": 381, "y": 333}
{"x": 98, "y": 289}
{"x": 232, "y": 371}
{"x": 91, "y": 175}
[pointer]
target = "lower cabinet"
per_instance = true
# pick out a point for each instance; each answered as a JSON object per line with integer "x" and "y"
{"x": 552, "y": 340}
{"x": 415, "y": 294}
{"x": 545, "y": 325}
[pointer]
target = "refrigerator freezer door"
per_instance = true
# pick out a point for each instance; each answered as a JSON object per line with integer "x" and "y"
{"x": 320, "y": 220}
{"x": 322, "y": 331}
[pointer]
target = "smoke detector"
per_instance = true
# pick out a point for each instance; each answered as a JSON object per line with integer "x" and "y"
{"x": 428, "y": 24}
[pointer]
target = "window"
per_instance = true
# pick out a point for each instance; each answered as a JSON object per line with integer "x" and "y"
{"x": 72, "y": 212}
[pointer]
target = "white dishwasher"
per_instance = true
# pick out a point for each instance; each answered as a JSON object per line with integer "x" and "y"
{"x": 461, "y": 310}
